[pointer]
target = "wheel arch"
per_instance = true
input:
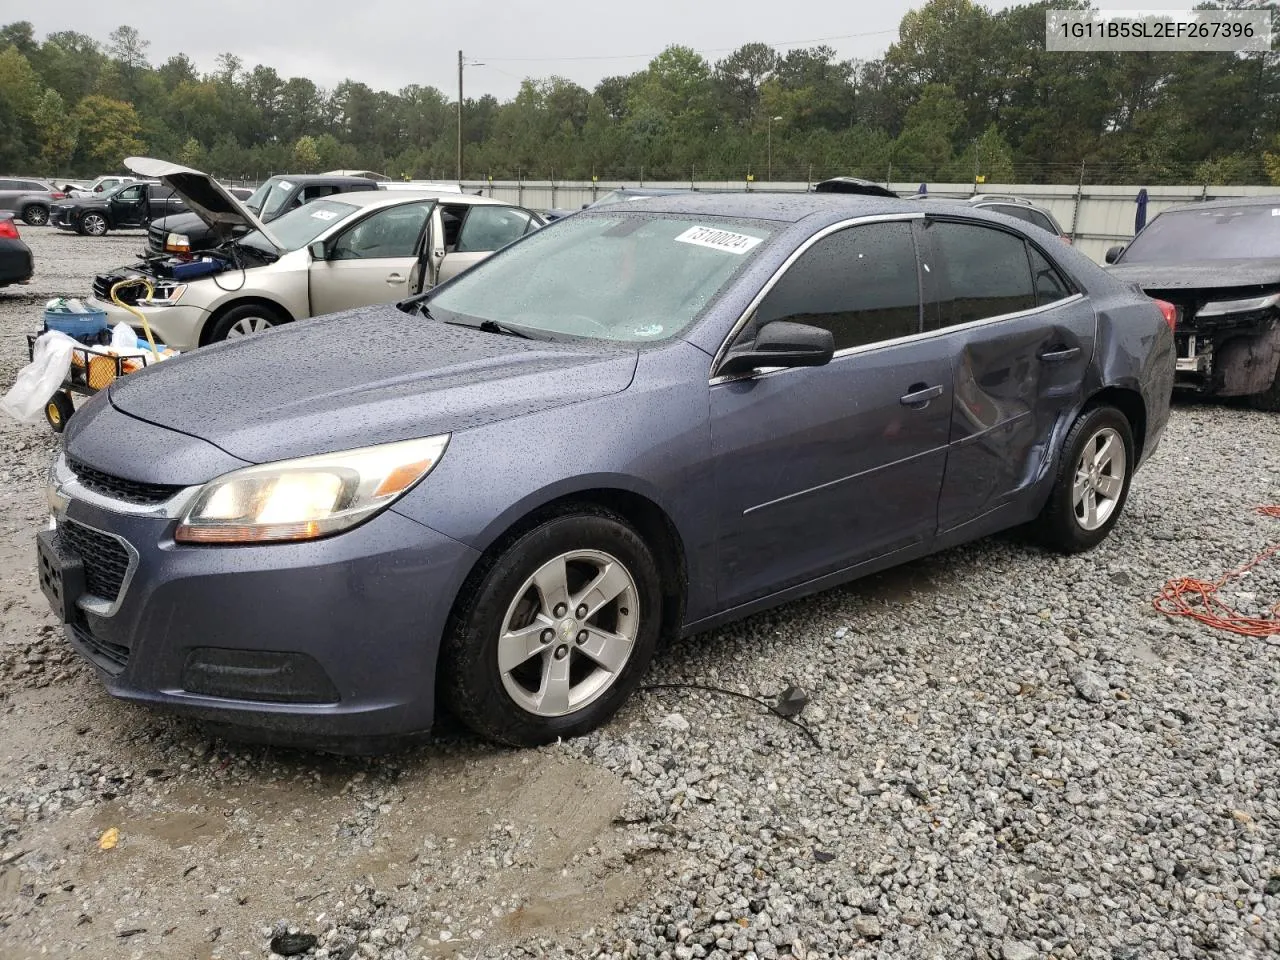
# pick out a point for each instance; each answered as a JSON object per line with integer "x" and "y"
{"x": 218, "y": 312}
{"x": 644, "y": 514}
{"x": 1129, "y": 402}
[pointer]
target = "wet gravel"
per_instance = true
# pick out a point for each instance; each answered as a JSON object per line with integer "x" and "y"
{"x": 1016, "y": 758}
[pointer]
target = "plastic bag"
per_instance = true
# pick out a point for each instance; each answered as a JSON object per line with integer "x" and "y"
{"x": 123, "y": 338}
{"x": 39, "y": 380}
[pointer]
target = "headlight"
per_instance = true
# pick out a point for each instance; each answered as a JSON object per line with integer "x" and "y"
{"x": 1222, "y": 307}
{"x": 177, "y": 243}
{"x": 307, "y": 498}
{"x": 165, "y": 295}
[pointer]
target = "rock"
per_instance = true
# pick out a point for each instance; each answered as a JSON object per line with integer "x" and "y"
{"x": 1088, "y": 685}
{"x": 1018, "y": 950}
{"x": 292, "y": 944}
{"x": 868, "y": 927}
{"x": 674, "y": 721}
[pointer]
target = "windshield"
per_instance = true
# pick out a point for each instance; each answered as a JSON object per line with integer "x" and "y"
{"x": 256, "y": 198}
{"x": 299, "y": 227}
{"x": 275, "y": 197}
{"x": 1224, "y": 233}
{"x": 630, "y": 277}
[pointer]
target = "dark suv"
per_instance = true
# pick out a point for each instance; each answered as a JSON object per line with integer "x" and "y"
{"x": 132, "y": 205}
{"x": 188, "y": 233}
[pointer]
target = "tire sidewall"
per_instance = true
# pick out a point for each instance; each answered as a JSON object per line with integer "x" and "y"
{"x": 1064, "y": 528}
{"x": 472, "y": 677}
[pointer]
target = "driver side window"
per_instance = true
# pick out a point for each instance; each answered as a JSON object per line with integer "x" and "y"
{"x": 861, "y": 284}
{"x": 131, "y": 193}
{"x": 388, "y": 234}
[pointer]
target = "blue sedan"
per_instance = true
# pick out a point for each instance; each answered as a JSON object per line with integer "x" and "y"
{"x": 645, "y": 420}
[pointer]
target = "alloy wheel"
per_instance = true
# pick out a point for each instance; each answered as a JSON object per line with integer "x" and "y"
{"x": 247, "y": 326}
{"x": 36, "y": 216}
{"x": 94, "y": 225}
{"x": 569, "y": 632}
{"x": 1101, "y": 473}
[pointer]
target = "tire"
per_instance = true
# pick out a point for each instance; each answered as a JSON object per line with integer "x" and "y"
{"x": 243, "y": 321}
{"x": 59, "y": 410}
{"x": 1269, "y": 399}
{"x": 524, "y": 705}
{"x": 93, "y": 225}
{"x": 1065, "y": 523}
{"x": 34, "y": 215}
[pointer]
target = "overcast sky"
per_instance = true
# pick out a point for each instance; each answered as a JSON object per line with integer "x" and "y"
{"x": 390, "y": 43}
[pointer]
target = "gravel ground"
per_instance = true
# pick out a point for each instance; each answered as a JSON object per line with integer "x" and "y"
{"x": 1016, "y": 758}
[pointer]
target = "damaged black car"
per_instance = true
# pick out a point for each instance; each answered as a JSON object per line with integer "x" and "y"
{"x": 1218, "y": 262}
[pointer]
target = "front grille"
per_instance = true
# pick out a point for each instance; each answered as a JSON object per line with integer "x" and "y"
{"x": 103, "y": 283}
{"x": 119, "y": 488}
{"x": 110, "y": 656}
{"x": 156, "y": 234}
{"x": 106, "y": 561}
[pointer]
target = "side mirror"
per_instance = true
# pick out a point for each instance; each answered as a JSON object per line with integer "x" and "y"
{"x": 1113, "y": 254}
{"x": 782, "y": 344}
{"x": 318, "y": 251}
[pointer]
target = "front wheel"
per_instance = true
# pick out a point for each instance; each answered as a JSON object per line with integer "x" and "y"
{"x": 34, "y": 215}
{"x": 93, "y": 225}
{"x": 243, "y": 321}
{"x": 1093, "y": 482}
{"x": 552, "y": 635}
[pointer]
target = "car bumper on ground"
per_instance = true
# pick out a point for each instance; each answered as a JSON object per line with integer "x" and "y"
{"x": 331, "y": 641}
{"x": 177, "y": 326}
{"x": 16, "y": 263}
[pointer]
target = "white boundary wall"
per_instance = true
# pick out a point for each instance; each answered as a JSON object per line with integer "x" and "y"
{"x": 1095, "y": 216}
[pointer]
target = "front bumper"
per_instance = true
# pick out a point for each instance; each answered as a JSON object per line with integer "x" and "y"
{"x": 176, "y": 326}
{"x": 337, "y": 638}
{"x": 62, "y": 218}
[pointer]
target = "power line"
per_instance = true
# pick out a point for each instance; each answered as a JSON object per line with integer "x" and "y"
{"x": 650, "y": 56}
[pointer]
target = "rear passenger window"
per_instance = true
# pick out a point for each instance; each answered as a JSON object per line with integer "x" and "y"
{"x": 861, "y": 284}
{"x": 1050, "y": 287}
{"x": 985, "y": 272}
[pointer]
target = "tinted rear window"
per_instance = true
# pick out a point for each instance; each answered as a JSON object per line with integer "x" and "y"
{"x": 1224, "y": 233}
{"x": 985, "y": 272}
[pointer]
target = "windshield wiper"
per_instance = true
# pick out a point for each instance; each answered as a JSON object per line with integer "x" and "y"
{"x": 492, "y": 326}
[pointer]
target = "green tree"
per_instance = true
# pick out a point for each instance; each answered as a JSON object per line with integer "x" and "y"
{"x": 108, "y": 131}
{"x": 306, "y": 156}
{"x": 57, "y": 132}
{"x": 192, "y": 154}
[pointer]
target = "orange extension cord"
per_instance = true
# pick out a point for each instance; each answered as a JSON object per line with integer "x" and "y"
{"x": 1177, "y": 597}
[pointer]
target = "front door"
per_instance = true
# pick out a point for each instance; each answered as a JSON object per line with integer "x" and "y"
{"x": 377, "y": 260}
{"x": 483, "y": 229}
{"x": 129, "y": 206}
{"x": 1022, "y": 340}
{"x": 821, "y": 469}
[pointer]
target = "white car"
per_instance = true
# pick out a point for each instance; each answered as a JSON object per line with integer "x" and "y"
{"x": 335, "y": 253}
{"x": 102, "y": 185}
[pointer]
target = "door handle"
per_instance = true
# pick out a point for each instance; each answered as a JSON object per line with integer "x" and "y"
{"x": 920, "y": 394}
{"x": 1059, "y": 353}
{"x": 394, "y": 279}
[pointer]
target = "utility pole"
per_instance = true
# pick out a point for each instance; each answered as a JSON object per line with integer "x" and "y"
{"x": 769, "y": 168}
{"x": 459, "y": 116}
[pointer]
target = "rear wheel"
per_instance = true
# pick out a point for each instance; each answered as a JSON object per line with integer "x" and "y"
{"x": 244, "y": 321}
{"x": 59, "y": 410}
{"x": 34, "y": 215}
{"x": 93, "y": 225}
{"x": 553, "y": 634}
{"x": 1093, "y": 482}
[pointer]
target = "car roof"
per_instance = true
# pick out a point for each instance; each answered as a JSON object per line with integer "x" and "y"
{"x": 320, "y": 178}
{"x": 388, "y": 198}
{"x": 1225, "y": 203}
{"x": 780, "y": 207}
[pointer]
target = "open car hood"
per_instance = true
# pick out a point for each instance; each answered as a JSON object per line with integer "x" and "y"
{"x": 204, "y": 196}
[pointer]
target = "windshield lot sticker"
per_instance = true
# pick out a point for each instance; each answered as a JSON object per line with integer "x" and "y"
{"x": 286, "y": 185}
{"x": 322, "y": 215}
{"x": 735, "y": 243}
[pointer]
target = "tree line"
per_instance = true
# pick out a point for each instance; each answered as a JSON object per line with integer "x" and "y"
{"x": 964, "y": 93}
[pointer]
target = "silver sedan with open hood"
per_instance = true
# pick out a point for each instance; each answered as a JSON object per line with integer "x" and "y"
{"x": 331, "y": 254}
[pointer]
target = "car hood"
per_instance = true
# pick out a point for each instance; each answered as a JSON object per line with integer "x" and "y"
{"x": 1199, "y": 274}
{"x": 204, "y": 197}
{"x": 367, "y": 376}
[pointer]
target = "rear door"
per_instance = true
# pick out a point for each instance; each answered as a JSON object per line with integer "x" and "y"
{"x": 1021, "y": 337}
{"x": 10, "y": 191}
{"x": 820, "y": 469}
{"x": 376, "y": 260}
{"x": 483, "y": 230}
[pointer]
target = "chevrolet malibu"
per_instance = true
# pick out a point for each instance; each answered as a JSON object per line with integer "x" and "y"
{"x": 644, "y": 420}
